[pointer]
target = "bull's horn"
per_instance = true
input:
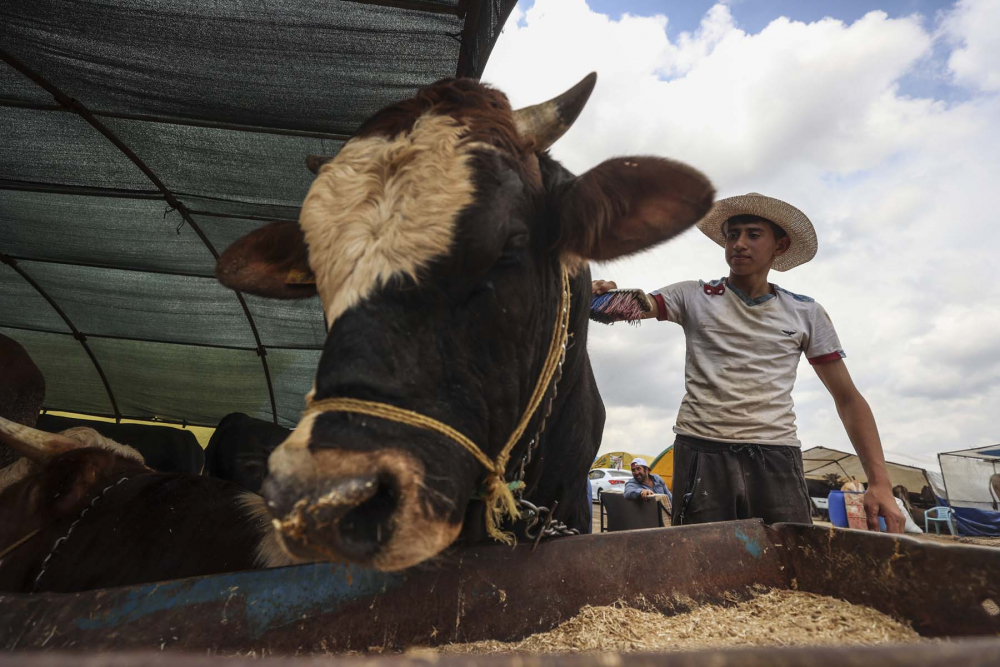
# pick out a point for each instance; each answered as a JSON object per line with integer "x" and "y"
{"x": 314, "y": 162}
{"x": 546, "y": 122}
{"x": 33, "y": 444}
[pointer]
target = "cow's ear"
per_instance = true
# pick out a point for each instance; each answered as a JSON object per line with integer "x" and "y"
{"x": 629, "y": 204}
{"x": 316, "y": 162}
{"x": 67, "y": 481}
{"x": 272, "y": 261}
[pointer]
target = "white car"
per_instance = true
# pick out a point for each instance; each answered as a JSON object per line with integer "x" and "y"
{"x": 607, "y": 479}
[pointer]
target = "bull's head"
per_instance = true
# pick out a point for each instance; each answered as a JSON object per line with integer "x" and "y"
{"x": 436, "y": 239}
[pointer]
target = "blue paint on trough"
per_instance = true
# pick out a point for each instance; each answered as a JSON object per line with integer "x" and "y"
{"x": 265, "y": 599}
{"x": 750, "y": 542}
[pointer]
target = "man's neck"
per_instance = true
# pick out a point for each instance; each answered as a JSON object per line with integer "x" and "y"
{"x": 753, "y": 285}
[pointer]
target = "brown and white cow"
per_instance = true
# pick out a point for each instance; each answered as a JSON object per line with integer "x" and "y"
{"x": 80, "y": 511}
{"x": 436, "y": 239}
{"x": 93, "y": 515}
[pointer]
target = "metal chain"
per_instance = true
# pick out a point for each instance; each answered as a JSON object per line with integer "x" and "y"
{"x": 55, "y": 546}
{"x": 538, "y": 520}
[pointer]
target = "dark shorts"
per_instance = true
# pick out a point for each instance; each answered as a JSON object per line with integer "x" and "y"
{"x": 715, "y": 481}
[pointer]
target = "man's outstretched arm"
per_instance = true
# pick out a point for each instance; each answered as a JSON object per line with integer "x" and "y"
{"x": 859, "y": 422}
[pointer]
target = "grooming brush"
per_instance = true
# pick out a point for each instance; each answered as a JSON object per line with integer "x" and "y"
{"x": 620, "y": 305}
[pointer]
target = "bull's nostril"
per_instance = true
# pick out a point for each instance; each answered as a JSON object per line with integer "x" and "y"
{"x": 345, "y": 517}
{"x": 369, "y": 525}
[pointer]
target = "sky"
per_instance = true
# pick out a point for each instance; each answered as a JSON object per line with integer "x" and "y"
{"x": 879, "y": 120}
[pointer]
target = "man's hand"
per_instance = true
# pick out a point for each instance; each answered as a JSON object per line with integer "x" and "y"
{"x": 602, "y": 286}
{"x": 879, "y": 501}
{"x": 646, "y": 493}
{"x": 860, "y": 426}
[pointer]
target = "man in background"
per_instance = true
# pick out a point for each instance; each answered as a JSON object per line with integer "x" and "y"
{"x": 644, "y": 484}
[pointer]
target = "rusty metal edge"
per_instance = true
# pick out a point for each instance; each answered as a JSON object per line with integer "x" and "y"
{"x": 968, "y": 653}
{"x": 506, "y": 594}
{"x": 467, "y": 595}
{"x": 941, "y": 589}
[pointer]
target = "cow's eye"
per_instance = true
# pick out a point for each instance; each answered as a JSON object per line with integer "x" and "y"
{"x": 516, "y": 242}
{"x": 513, "y": 249}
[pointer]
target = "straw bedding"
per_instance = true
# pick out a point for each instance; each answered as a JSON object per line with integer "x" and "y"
{"x": 771, "y": 618}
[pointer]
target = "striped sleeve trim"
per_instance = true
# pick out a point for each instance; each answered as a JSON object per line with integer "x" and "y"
{"x": 836, "y": 355}
{"x": 661, "y": 307}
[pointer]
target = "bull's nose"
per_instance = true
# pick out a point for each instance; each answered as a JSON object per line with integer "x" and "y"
{"x": 347, "y": 516}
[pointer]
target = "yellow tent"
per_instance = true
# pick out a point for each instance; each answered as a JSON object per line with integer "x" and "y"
{"x": 663, "y": 466}
{"x": 619, "y": 460}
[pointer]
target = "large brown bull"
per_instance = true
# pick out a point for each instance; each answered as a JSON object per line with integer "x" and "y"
{"x": 450, "y": 253}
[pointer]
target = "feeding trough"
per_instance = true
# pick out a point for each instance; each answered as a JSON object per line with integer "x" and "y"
{"x": 502, "y": 593}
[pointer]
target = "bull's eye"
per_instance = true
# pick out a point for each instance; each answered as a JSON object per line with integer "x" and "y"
{"x": 513, "y": 249}
{"x": 516, "y": 242}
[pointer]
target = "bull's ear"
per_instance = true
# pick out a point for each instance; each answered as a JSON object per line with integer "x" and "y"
{"x": 272, "y": 261}
{"x": 629, "y": 204}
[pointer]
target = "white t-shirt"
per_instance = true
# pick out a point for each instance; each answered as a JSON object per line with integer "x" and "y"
{"x": 742, "y": 358}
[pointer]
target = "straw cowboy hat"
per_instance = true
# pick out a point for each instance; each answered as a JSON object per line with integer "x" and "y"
{"x": 795, "y": 223}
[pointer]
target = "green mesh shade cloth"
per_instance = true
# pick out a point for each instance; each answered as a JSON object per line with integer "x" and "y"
{"x": 141, "y": 137}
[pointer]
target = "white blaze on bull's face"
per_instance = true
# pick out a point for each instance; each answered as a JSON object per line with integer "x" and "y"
{"x": 386, "y": 207}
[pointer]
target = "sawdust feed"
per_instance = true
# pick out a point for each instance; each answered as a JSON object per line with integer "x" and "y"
{"x": 771, "y": 618}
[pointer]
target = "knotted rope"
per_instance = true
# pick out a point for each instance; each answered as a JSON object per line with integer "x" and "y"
{"x": 498, "y": 496}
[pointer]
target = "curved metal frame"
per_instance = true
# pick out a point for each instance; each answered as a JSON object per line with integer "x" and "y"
{"x": 12, "y": 263}
{"x": 81, "y": 110}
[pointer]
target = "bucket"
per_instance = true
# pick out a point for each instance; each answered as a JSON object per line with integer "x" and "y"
{"x": 838, "y": 510}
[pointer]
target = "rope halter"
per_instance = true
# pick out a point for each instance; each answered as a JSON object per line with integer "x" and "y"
{"x": 498, "y": 496}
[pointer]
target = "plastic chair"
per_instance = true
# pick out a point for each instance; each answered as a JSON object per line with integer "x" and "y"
{"x": 617, "y": 513}
{"x": 937, "y": 516}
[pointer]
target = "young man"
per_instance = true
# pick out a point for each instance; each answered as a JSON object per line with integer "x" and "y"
{"x": 736, "y": 452}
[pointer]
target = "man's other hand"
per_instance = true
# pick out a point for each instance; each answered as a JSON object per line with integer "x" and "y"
{"x": 646, "y": 493}
{"x": 879, "y": 501}
{"x": 602, "y": 286}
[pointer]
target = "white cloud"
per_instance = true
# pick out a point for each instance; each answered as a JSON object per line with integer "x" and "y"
{"x": 973, "y": 25}
{"x": 901, "y": 191}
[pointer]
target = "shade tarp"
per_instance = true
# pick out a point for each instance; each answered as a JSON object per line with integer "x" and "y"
{"x": 967, "y": 474}
{"x": 976, "y": 522}
{"x": 936, "y": 480}
{"x": 818, "y": 462}
{"x": 142, "y": 138}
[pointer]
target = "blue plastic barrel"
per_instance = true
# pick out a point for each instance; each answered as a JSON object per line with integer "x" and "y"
{"x": 838, "y": 510}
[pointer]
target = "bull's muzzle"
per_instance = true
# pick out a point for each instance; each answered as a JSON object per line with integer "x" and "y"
{"x": 338, "y": 518}
{"x": 349, "y": 505}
